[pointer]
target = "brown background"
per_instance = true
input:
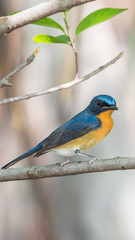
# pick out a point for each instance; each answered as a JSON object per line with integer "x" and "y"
{"x": 99, "y": 206}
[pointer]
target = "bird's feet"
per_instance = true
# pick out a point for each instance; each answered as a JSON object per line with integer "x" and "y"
{"x": 93, "y": 158}
{"x": 65, "y": 162}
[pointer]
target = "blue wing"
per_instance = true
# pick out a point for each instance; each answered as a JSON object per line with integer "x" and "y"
{"x": 79, "y": 125}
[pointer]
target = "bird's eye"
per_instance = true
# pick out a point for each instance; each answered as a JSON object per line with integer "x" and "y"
{"x": 99, "y": 103}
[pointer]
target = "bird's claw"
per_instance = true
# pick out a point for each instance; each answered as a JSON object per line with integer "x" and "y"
{"x": 65, "y": 162}
{"x": 92, "y": 160}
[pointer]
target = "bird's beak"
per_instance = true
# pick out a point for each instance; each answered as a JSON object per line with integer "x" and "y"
{"x": 113, "y": 108}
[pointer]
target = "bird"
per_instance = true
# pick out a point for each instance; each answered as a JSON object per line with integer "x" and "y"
{"x": 80, "y": 133}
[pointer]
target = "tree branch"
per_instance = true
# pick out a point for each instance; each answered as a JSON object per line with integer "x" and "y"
{"x": 30, "y": 15}
{"x": 5, "y": 81}
{"x": 72, "y": 168}
{"x": 62, "y": 86}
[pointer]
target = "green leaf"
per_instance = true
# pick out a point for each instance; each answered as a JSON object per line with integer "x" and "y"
{"x": 14, "y": 13}
{"x": 42, "y": 38}
{"x": 67, "y": 10}
{"x": 48, "y": 22}
{"x": 96, "y": 17}
{"x": 64, "y": 38}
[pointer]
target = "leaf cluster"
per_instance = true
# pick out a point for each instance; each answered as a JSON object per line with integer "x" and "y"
{"x": 92, "y": 19}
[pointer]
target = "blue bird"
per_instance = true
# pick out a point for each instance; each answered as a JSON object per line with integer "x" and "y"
{"x": 80, "y": 133}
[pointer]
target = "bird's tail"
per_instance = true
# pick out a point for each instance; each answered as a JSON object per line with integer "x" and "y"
{"x": 26, "y": 154}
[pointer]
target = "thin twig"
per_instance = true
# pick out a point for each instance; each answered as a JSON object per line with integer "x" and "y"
{"x": 72, "y": 45}
{"x": 33, "y": 14}
{"x": 5, "y": 81}
{"x": 62, "y": 86}
{"x": 72, "y": 168}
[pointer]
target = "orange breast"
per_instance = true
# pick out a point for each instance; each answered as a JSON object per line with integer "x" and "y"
{"x": 95, "y": 137}
{"x": 92, "y": 138}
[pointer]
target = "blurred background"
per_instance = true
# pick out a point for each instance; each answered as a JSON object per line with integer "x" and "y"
{"x": 97, "y": 206}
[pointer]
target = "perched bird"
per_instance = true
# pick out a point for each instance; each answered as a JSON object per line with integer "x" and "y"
{"x": 80, "y": 133}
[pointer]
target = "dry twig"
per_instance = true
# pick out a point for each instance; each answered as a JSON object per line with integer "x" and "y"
{"x": 5, "y": 81}
{"x": 62, "y": 86}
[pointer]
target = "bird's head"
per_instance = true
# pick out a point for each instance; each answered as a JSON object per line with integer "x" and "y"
{"x": 102, "y": 103}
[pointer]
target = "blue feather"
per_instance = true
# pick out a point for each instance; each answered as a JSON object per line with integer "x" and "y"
{"x": 81, "y": 124}
{"x": 24, "y": 155}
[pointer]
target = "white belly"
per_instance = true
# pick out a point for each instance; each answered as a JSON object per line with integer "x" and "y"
{"x": 66, "y": 151}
